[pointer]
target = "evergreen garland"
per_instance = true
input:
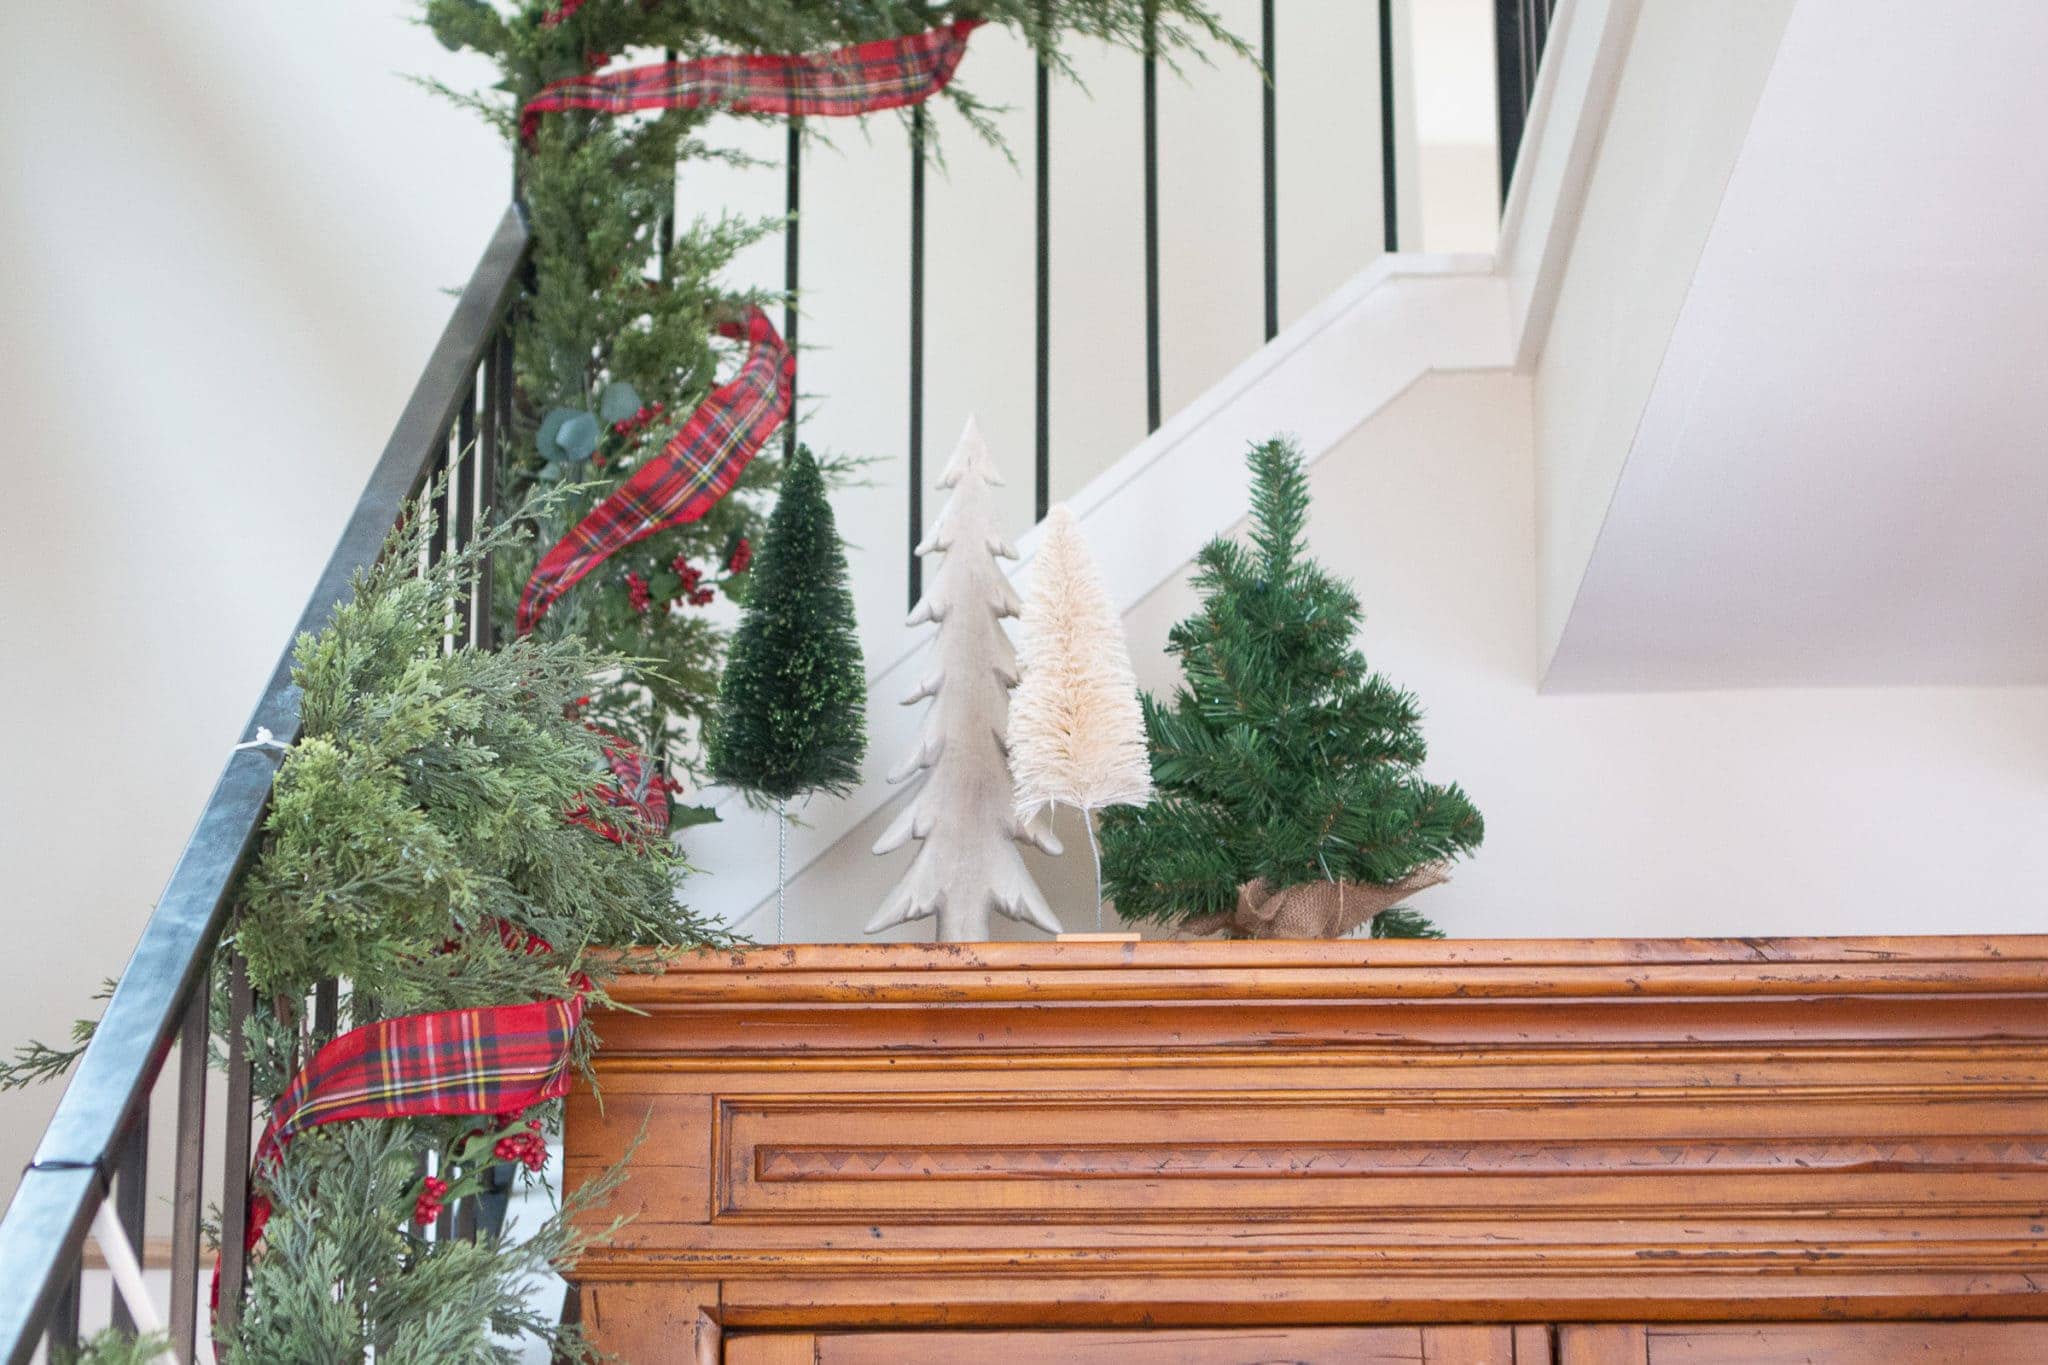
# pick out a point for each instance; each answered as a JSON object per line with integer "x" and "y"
{"x": 420, "y": 814}
{"x": 792, "y": 712}
{"x": 422, "y": 809}
{"x": 1282, "y": 757}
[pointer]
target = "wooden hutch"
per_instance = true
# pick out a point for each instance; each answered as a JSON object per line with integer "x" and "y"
{"x": 1581, "y": 1152}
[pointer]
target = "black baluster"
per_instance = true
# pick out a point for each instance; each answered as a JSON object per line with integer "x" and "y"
{"x": 1042, "y": 419}
{"x": 1389, "y": 206}
{"x": 463, "y": 491}
{"x": 1270, "y": 119}
{"x": 60, "y": 1338}
{"x": 1151, "y": 217}
{"x": 188, "y": 1177}
{"x": 131, "y": 1179}
{"x": 235, "y": 1149}
{"x": 915, "y": 459}
{"x": 793, "y": 191}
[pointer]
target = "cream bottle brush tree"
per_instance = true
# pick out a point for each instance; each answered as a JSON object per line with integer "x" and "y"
{"x": 1077, "y": 734}
{"x": 964, "y": 810}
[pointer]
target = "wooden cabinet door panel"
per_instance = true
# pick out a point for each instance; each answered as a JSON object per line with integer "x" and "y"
{"x": 1159, "y": 1346}
{"x": 1807, "y": 1343}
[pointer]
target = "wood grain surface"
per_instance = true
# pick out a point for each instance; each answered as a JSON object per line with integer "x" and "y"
{"x": 1140, "y": 1136}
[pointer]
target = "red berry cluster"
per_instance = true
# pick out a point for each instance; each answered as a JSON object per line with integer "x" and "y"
{"x": 427, "y": 1207}
{"x": 528, "y": 1148}
{"x": 639, "y": 421}
{"x": 560, "y": 13}
{"x": 694, "y": 592}
{"x": 638, "y": 593}
{"x": 742, "y": 555}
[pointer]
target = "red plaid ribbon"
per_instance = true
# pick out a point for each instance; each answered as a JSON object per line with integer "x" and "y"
{"x": 863, "y": 79}
{"x": 497, "y": 1060}
{"x": 694, "y": 470}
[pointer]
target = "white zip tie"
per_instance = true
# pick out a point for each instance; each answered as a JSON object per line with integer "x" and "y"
{"x": 120, "y": 1256}
{"x": 264, "y": 740}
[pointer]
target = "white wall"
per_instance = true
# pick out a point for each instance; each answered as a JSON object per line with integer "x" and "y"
{"x": 1753, "y": 812}
{"x": 224, "y": 230}
{"x": 1690, "y": 83}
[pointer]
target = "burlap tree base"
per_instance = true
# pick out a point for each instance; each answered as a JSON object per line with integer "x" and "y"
{"x": 1311, "y": 910}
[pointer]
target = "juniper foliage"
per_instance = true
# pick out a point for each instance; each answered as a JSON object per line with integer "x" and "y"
{"x": 343, "y": 1275}
{"x": 35, "y": 1062}
{"x": 614, "y": 301}
{"x": 111, "y": 1347}
{"x": 792, "y": 711}
{"x": 1282, "y": 756}
{"x": 422, "y": 811}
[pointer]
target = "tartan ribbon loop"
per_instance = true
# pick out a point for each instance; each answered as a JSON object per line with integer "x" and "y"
{"x": 491, "y": 1060}
{"x": 695, "y": 469}
{"x": 704, "y": 459}
{"x": 864, "y": 78}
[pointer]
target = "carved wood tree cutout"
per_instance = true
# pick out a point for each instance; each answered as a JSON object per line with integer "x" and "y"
{"x": 963, "y": 812}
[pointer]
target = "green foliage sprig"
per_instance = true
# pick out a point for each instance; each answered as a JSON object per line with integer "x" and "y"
{"x": 1281, "y": 757}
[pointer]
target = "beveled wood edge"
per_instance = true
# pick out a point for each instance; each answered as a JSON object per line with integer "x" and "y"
{"x": 1354, "y": 952}
{"x": 1240, "y": 972}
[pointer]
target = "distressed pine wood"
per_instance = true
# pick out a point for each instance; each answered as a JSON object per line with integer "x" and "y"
{"x": 1101, "y": 1136}
{"x": 665, "y": 1320}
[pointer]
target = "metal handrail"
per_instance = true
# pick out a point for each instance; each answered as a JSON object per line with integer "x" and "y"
{"x": 43, "y": 1231}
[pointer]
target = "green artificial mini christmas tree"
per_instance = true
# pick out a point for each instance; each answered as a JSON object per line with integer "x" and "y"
{"x": 1289, "y": 799}
{"x": 792, "y": 709}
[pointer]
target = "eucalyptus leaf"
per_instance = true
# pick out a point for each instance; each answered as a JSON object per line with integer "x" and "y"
{"x": 577, "y": 436}
{"x": 618, "y": 402}
{"x": 547, "y": 439}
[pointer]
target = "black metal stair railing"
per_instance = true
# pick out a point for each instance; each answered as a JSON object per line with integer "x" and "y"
{"x": 97, "y": 1142}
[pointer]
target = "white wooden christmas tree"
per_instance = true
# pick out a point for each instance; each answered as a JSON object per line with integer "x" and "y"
{"x": 1077, "y": 733}
{"x": 964, "y": 810}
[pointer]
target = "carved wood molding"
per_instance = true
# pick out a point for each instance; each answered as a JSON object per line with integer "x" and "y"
{"x": 1104, "y": 1134}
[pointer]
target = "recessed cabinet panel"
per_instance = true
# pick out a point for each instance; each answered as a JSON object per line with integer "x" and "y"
{"x": 1806, "y": 1343}
{"x": 1187, "y": 1346}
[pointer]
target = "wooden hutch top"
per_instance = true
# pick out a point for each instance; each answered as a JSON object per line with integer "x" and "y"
{"x": 1129, "y": 1136}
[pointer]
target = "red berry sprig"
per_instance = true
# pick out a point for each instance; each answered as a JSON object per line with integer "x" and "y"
{"x": 638, "y": 593}
{"x": 529, "y": 1148}
{"x": 561, "y": 13}
{"x": 433, "y": 1194}
{"x": 742, "y": 555}
{"x": 638, "y": 422}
